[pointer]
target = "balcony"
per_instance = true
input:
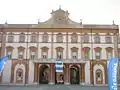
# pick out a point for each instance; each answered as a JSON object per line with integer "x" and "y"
{"x": 52, "y": 60}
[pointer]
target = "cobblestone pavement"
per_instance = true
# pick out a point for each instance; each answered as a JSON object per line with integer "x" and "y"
{"x": 53, "y": 87}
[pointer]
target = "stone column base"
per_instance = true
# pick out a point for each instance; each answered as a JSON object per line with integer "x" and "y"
{"x": 51, "y": 83}
{"x": 67, "y": 83}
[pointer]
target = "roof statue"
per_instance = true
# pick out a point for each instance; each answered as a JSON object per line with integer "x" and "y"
{"x": 38, "y": 21}
{"x": 80, "y": 21}
{"x": 113, "y": 22}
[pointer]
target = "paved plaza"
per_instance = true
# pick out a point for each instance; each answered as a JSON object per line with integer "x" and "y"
{"x": 53, "y": 87}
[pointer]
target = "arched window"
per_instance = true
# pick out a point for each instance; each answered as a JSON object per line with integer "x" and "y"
{"x": 22, "y": 37}
{"x": 74, "y": 38}
{"x": 10, "y": 37}
{"x": 59, "y": 38}
{"x": 45, "y": 37}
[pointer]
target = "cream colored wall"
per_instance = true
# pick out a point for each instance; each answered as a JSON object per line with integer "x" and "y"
{"x": 31, "y": 73}
{"x": 7, "y": 72}
{"x": 70, "y": 45}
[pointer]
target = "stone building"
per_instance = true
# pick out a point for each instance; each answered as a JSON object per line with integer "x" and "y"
{"x": 85, "y": 50}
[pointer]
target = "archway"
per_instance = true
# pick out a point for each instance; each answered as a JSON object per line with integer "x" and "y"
{"x": 74, "y": 75}
{"x": 99, "y": 76}
{"x": 44, "y": 74}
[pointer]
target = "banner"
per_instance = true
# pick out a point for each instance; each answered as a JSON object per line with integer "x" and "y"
{"x": 113, "y": 74}
{"x": 2, "y": 63}
{"x": 59, "y": 66}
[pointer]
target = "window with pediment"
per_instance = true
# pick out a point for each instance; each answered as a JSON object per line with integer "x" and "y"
{"x": 33, "y": 37}
{"x": 86, "y": 38}
{"x": 86, "y": 53}
{"x": 99, "y": 76}
{"x": 108, "y": 38}
{"x": 59, "y": 38}
{"x": 45, "y": 37}
{"x": 74, "y": 52}
{"x": 44, "y": 52}
{"x": 22, "y": 37}
{"x": 0, "y": 37}
{"x": 10, "y": 37}
{"x": 21, "y": 53}
{"x": 119, "y": 52}
{"x": 19, "y": 75}
{"x": 9, "y": 52}
{"x": 74, "y": 38}
{"x": 97, "y": 38}
{"x": 97, "y": 53}
{"x": 0, "y": 51}
{"x": 119, "y": 39}
{"x": 33, "y": 53}
{"x": 109, "y": 53}
{"x": 59, "y": 53}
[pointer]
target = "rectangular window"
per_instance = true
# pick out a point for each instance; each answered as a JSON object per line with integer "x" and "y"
{"x": 33, "y": 39}
{"x": 10, "y": 38}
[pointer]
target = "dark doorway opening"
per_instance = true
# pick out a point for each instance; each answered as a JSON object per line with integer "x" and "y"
{"x": 74, "y": 75}
{"x": 44, "y": 74}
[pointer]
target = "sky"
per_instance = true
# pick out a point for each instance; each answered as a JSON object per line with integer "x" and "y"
{"x": 90, "y": 11}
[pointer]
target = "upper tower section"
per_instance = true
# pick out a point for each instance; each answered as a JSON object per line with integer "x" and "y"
{"x": 60, "y": 16}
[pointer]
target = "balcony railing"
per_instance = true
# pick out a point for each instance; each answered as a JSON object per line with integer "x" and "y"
{"x": 52, "y": 60}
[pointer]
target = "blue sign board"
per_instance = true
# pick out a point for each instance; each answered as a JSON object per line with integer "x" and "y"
{"x": 59, "y": 66}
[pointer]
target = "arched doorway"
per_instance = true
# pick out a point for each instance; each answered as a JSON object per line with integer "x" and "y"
{"x": 99, "y": 76}
{"x": 74, "y": 75}
{"x": 44, "y": 74}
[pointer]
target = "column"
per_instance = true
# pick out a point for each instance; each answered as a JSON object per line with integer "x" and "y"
{"x": 67, "y": 75}
{"x": 52, "y": 81}
{"x": 35, "y": 73}
{"x": 82, "y": 73}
